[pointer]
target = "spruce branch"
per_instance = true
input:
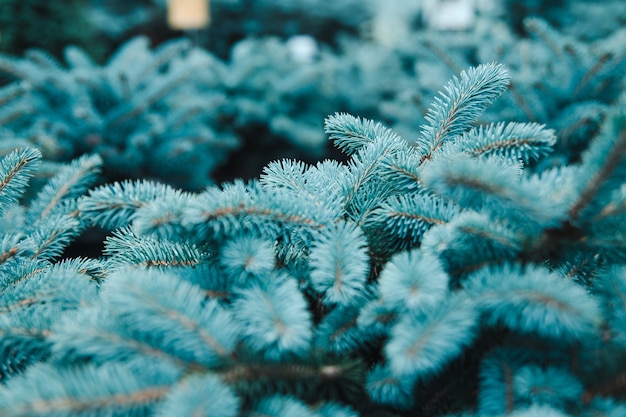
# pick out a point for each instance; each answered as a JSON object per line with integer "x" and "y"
{"x": 201, "y": 395}
{"x": 413, "y": 282}
{"x": 349, "y": 133}
{"x": 70, "y": 182}
{"x": 15, "y": 171}
{"x": 112, "y": 388}
{"x": 339, "y": 331}
{"x": 421, "y": 346}
{"x": 497, "y": 390}
{"x": 404, "y": 219}
{"x": 274, "y": 319}
{"x": 116, "y": 205}
{"x": 128, "y": 250}
{"x": 465, "y": 98}
{"x": 340, "y": 265}
{"x": 525, "y": 141}
{"x": 551, "y": 306}
{"x": 602, "y": 162}
{"x": 189, "y": 327}
{"x": 218, "y": 213}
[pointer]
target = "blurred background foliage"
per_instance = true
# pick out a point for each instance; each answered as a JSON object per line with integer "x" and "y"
{"x": 278, "y": 67}
{"x": 49, "y": 25}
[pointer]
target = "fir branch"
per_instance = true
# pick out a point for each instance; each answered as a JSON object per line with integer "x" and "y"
{"x": 339, "y": 332}
{"x": 95, "y": 336}
{"x": 274, "y": 319}
{"x": 601, "y": 162}
{"x": 465, "y": 99}
{"x": 245, "y": 258}
{"x": 577, "y": 122}
{"x": 377, "y": 317}
{"x": 553, "y": 39}
{"x": 150, "y": 96}
{"x": 43, "y": 59}
{"x": 45, "y": 288}
{"x": 351, "y": 133}
{"x": 534, "y": 301}
{"x": 403, "y": 170}
{"x": 33, "y": 298}
{"x": 472, "y": 241}
{"x": 201, "y": 395}
{"x": 94, "y": 269}
{"x": 15, "y": 246}
{"x": 286, "y": 174}
{"x": 453, "y": 64}
{"x": 592, "y": 72}
{"x": 421, "y": 346}
{"x": 15, "y": 171}
{"x": 164, "y": 217}
{"x": 404, "y": 219}
{"x": 20, "y": 347}
{"x": 611, "y": 247}
{"x": 363, "y": 182}
{"x": 12, "y": 91}
{"x": 522, "y": 102}
{"x": 97, "y": 390}
{"x": 331, "y": 378}
{"x": 127, "y": 250}
{"x": 116, "y": 205}
{"x": 497, "y": 389}
{"x": 339, "y": 263}
{"x": 217, "y": 213}
{"x": 126, "y": 55}
{"x": 515, "y": 141}
{"x": 189, "y": 326}
{"x": 494, "y": 185}
{"x": 319, "y": 184}
{"x": 14, "y": 273}
{"x": 22, "y": 70}
{"x": 70, "y": 182}
{"x": 550, "y": 386}
{"x": 413, "y": 281}
{"x": 77, "y": 58}
{"x": 89, "y": 108}
{"x": 12, "y": 112}
{"x": 385, "y": 387}
{"x": 54, "y": 235}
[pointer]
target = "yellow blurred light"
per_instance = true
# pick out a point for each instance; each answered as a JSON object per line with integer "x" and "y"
{"x": 188, "y": 14}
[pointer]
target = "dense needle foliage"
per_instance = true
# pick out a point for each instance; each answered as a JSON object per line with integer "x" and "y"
{"x": 436, "y": 278}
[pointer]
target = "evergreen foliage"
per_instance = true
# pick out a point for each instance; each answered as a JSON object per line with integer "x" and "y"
{"x": 441, "y": 278}
{"x": 46, "y": 25}
{"x": 140, "y": 111}
{"x": 268, "y": 97}
{"x": 560, "y": 77}
{"x": 35, "y": 287}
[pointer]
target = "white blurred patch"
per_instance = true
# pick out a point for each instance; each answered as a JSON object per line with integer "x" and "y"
{"x": 392, "y": 20}
{"x": 302, "y": 48}
{"x": 449, "y": 14}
